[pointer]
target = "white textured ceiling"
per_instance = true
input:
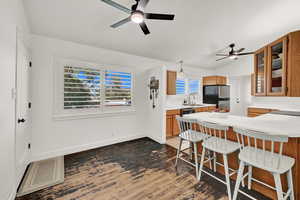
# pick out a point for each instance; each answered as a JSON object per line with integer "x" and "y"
{"x": 201, "y": 27}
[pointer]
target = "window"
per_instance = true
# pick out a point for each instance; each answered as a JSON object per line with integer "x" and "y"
{"x": 81, "y": 88}
{"x": 193, "y": 86}
{"x": 180, "y": 86}
{"x": 117, "y": 88}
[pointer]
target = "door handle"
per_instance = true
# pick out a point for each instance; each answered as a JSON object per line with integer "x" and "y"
{"x": 21, "y": 120}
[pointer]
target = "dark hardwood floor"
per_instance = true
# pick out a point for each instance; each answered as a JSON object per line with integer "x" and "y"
{"x": 136, "y": 170}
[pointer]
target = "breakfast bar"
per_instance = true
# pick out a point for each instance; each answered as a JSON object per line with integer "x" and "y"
{"x": 274, "y": 124}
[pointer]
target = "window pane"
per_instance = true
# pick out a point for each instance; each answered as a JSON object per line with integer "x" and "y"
{"x": 180, "y": 87}
{"x": 193, "y": 86}
{"x": 81, "y": 88}
{"x": 117, "y": 88}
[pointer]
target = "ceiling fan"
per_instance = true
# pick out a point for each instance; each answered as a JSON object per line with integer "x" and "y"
{"x": 233, "y": 54}
{"x": 137, "y": 14}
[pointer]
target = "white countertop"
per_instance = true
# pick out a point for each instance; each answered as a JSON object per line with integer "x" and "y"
{"x": 269, "y": 123}
{"x": 278, "y": 107}
{"x": 176, "y": 107}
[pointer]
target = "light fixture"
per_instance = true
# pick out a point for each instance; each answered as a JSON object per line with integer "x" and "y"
{"x": 233, "y": 57}
{"x": 180, "y": 74}
{"x": 137, "y": 17}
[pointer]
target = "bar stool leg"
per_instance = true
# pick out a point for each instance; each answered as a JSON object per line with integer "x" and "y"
{"x": 227, "y": 175}
{"x": 278, "y": 186}
{"x": 215, "y": 161}
{"x": 290, "y": 184}
{"x": 238, "y": 179}
{"x": 249, "y": 177}
{"x": 178, "y": 151}
{"x": 191, "y": 151}
{"x": 201, "y": 163}
{"x": 196, "y": 158}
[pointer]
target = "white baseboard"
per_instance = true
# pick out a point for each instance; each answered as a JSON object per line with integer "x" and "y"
{"x": 12, "y": 195}
{"x": 157, "y": 139}
{"x": 79, "y": 148}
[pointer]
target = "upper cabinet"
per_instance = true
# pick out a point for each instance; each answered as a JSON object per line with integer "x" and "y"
{"x": 260, "y": 71}
{"x": 277, "y": 68}
{"x": 171, "y": 82}
{"x": 277, "y": 60}
{"x": 214, "y": 80}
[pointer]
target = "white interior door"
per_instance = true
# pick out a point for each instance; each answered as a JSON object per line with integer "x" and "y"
{"x": 23, "y": 137}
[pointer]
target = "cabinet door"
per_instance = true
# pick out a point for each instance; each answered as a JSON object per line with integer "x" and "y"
{"x": 260, "y": 72}
{"x": 169, "y": 131}
{"x": 221, "y": 80}
{"x": 171, "y": 82}
{"x": 176, "y": 130}
{"x": 277, "y": 57}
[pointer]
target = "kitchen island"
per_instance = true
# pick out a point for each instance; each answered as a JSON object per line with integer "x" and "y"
{"x": 270, "y": 124}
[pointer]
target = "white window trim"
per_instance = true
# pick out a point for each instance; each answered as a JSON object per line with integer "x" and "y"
{"x": 59, "y": 113}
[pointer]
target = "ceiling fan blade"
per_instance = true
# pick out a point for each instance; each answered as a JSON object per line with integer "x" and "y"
{"x": 144, "y": 28}
{"x": 243, "y": 54}
{"x": 159, "y": 16}
{"x": 240, "y": 50}
{"x": 218, "y": 54}
{"x": 142, "y": 5}
{"x": 120, "y": 23}
{"x": 223, "y": 58}
{"x": 118, "y": 6}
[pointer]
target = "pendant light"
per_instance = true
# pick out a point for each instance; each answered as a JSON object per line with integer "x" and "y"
{"x": 180, "y": 74}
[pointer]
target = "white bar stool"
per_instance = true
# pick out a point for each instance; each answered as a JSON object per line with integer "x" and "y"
{"x": 271, "y": 161}
{"x": 218, "y": 143}
{"x": 188, "y": 133}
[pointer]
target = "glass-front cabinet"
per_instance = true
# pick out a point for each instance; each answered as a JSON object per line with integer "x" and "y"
{"x": 276, "y": 76}
{"x": 260, "y": 71}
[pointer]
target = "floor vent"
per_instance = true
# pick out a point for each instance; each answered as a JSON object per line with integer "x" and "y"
{"x": 42, "y": 174}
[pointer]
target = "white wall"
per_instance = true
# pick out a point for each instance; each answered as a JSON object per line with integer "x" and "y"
{"x": 11, "y": 17}
{"x": 154, "y": 118}
{"x": 239, "y": 99}
{"x": 7, "y": 110}
{"x": 52, "y": 137}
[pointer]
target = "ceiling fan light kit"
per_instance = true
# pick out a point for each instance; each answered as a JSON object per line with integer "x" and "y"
{"x": 137, "y": 17}
{"x": 137, "y": 14}
{"x": 233, "y": 54}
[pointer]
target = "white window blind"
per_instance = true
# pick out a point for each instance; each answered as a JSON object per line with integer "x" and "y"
{"x": 193, "y": 86}
{"x": 180, "y": 86}
{"x": 118, "y": 87}
{"x": 81, "y": 88}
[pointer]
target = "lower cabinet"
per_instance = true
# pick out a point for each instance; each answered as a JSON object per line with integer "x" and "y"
{"x": 254, "y": 112}
{"x": 172, "y": 125}
{"x": 172, "y": 128}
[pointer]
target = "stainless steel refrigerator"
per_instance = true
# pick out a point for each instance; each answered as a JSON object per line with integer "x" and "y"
{"x": 217, "y": 94}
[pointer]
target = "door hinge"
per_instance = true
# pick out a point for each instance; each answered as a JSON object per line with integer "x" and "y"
{"x": 30, "y": 64}
{"x": 29, "y": 146}
{"x": 29, "y": 105}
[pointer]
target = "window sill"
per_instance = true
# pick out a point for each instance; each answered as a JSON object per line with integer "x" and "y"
{"x": 62, "y": 117}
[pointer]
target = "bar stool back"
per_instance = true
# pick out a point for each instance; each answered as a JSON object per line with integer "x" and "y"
{"x": 189, "y": 133}
{"x": 217, "y": 142}
{"x": 269, "y": 157}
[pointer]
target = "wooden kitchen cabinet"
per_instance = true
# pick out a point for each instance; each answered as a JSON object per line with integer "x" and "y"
{"x": 276, "y": 68}
{"x": 169, "y": 127}
{"x": 172, "y": 128}
{"x": 254, "y": 111}
{"x": 171, "y": 82}
{"x": 260, "y": 72}
{"x": 214, "y": 80}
